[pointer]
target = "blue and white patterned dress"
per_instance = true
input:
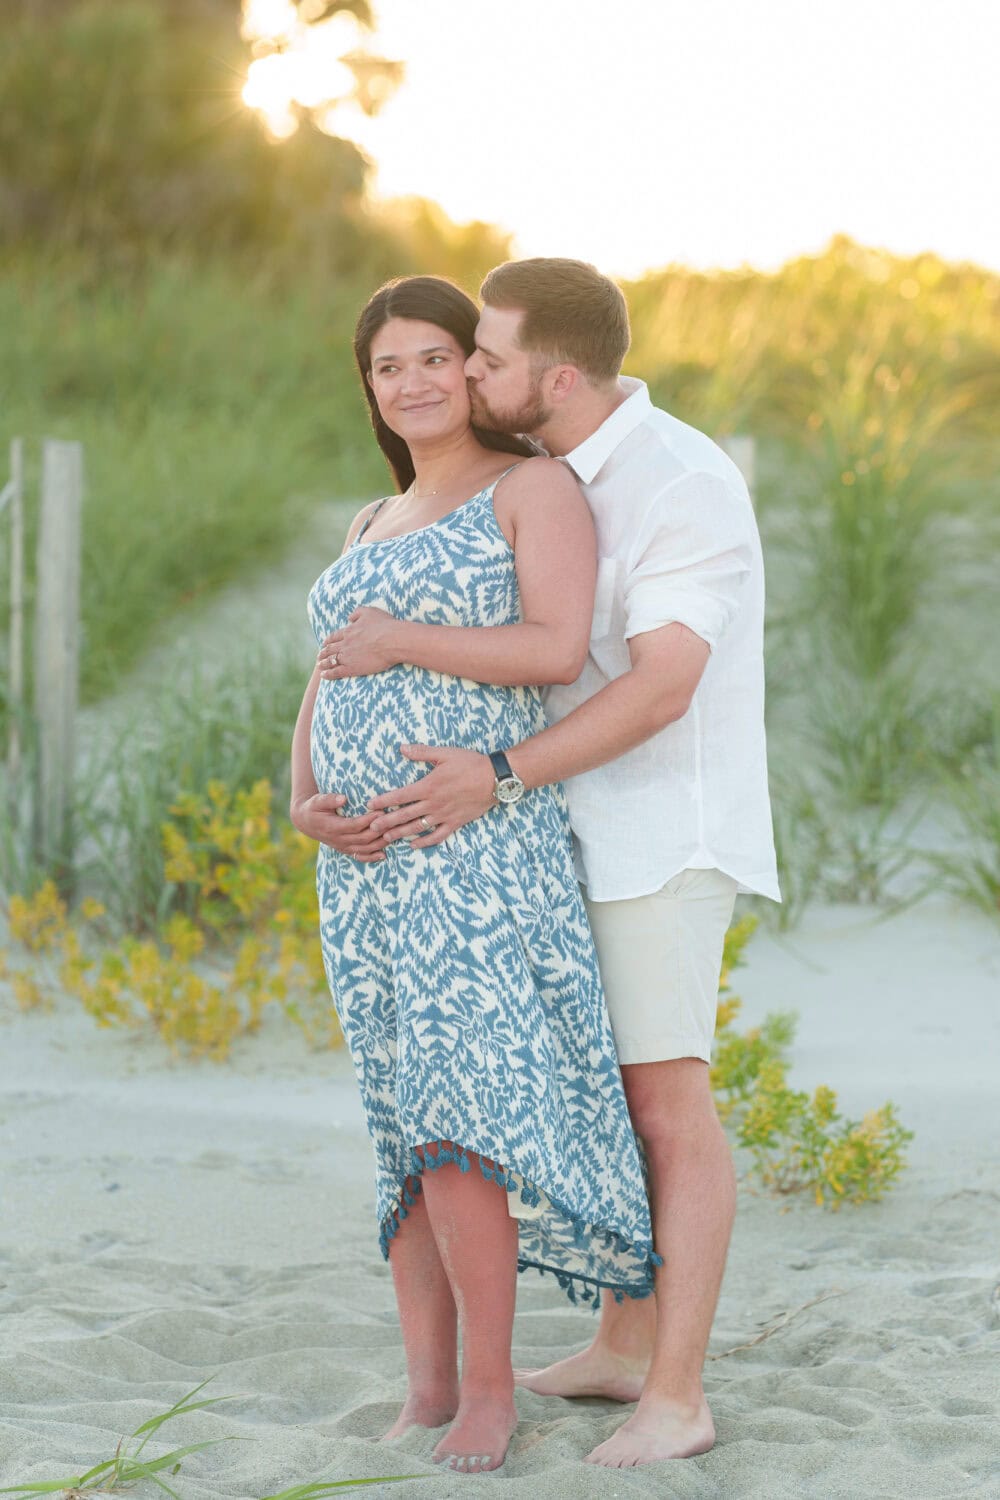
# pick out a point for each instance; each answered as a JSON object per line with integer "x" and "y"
{"x": 464, "y": 975}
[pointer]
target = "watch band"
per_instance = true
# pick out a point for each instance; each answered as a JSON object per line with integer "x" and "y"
{"x": 502, "y": 767}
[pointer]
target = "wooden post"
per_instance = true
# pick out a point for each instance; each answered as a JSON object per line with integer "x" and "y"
{"x": 743, "y": 452}
{"x": 57, "y": 630}
{"x": 15, "y": 666}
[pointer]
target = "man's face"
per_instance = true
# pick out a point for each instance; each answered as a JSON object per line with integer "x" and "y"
{"x": 505, "y": 381}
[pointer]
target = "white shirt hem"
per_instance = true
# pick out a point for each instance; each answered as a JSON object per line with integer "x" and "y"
{"x": 748, "y": 885}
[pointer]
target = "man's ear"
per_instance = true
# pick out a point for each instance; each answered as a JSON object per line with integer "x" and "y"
{"x": 562, "y": 381}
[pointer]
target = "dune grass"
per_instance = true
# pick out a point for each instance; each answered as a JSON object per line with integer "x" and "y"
{"x": 127, "y": 1467}
{"x": 217, "y": 402}
{"x": 971, "y": 788}
{"x": 233, "y": 726}
{"x": 215, "y": 408}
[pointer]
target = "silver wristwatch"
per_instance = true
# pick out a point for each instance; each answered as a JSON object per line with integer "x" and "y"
{"x": 508, "y": 788}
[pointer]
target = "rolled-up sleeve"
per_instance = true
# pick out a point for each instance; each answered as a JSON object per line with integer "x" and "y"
{"x": 693, "y": 557}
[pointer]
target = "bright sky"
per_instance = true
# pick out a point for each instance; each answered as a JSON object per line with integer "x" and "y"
{"x": 713, "y": 132}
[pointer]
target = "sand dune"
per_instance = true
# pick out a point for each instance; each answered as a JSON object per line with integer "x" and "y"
{"x": 164, "y": 1222}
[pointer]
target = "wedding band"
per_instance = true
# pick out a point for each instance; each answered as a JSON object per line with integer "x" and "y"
{"x": 427, "y": 825}
{"x": 335, "y": 658}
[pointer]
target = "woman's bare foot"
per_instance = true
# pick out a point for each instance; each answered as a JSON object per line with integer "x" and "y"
{"x": 477, "y": 1440}
{"x": 657, "y": 1429}
{"x": 432, "y": 1409}
{"x": 593, "y": 1372}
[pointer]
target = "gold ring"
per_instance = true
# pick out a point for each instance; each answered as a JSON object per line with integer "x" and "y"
{"x": 427, "y": 825}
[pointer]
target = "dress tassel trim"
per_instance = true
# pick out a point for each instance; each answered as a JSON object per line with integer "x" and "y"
{"x": 578, "y": 1288}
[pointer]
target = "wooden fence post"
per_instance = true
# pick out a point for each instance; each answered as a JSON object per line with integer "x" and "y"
{"x": 743, "y": 452}
{"x": 57, "y": 635}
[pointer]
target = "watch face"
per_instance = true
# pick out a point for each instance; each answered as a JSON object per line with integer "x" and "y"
{"x": 509, "y": 789}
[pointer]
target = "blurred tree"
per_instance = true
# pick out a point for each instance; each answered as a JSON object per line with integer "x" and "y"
{"x": 416, "y": 235}
{"x": 309, "y": 61}
{"x": 122, "y": 130}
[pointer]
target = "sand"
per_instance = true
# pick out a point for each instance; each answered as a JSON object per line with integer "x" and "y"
{"x": 167, "y": 1221}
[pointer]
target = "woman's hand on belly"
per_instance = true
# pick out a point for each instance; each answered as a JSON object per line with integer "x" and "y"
{"x": 319, "y": 818}
{"x": 368, "y": 643}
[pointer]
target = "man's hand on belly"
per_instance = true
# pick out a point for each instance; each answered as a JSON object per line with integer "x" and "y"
{"x": 318, "y": 818}
{"x": 458, "y": 790}
{"x": 366, "y": 644}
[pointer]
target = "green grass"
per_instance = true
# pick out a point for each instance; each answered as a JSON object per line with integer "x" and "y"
{"x": 972, "y": 791}
{"x": 127, "y": 1467}
{"x": 867, "y": 736}
{"x": 217, "y": 402}
{"x": 215, "y": 409}
{"x": 233, "y": 726}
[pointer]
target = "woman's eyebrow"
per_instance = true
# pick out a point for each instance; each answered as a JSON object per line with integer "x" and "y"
{"x": 435, "y": 349}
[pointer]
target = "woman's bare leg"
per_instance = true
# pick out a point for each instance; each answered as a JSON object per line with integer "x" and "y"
{"x": 429, "y": 1322}
{"x": 477, "y": 1241}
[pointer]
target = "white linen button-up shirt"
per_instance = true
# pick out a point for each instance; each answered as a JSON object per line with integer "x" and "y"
{"x": 677, "y": 541}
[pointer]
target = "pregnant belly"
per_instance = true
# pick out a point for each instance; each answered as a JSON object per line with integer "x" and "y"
{"x": 359, "y": 724}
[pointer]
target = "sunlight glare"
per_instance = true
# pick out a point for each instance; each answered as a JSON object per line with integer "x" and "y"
{"x": 710, "y": 134}
{"x": 346, "y": 120}
{"x": 305, "y": 69}
{"x": 269, "y": 20}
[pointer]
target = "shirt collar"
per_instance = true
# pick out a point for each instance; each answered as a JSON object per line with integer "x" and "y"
{"x": 589, "y": 457}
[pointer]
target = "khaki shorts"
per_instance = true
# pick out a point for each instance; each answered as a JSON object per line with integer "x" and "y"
{"x": 660, "y": 959}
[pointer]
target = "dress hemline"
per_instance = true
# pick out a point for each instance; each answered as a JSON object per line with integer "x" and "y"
{"x": 447, "y": 1155}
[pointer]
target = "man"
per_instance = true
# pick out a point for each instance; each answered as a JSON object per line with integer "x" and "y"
{"x": 660, "y": 744}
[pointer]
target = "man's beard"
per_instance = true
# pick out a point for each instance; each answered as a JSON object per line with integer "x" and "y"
{"x": 530, "y": 416}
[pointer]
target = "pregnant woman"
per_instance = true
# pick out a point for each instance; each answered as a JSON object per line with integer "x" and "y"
{"x": 464, "y": 975}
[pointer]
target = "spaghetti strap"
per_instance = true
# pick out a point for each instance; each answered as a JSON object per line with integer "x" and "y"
{"x": 370, "y": 518}
{"x": 506, "y": 471}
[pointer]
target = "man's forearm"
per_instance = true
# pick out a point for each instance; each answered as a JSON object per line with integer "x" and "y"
{"x": 505, "y": 655}
{"x": 622, "y": 715}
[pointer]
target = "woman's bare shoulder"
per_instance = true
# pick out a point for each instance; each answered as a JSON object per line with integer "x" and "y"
{"x": 541, "y": 476}
{"x": 363, "y": 516}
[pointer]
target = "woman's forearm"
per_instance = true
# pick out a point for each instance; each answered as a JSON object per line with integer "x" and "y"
{"x": 505, "y": 655}
{"x": 303, "y": 780}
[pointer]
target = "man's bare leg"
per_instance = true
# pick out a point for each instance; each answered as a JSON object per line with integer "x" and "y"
{"x": 694, "y": 1200}
{"x": 477, "y": 1241}
{"x": 429, "y": 1323}
{"x": 613, "y": 1366}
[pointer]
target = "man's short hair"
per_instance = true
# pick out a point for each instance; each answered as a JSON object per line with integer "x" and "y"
{"x": 572, "y": 313}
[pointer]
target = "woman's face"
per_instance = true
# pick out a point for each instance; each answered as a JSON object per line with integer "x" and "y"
{"x": 418, "y": 379}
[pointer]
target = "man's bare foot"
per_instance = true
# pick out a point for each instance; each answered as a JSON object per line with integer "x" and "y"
{"x": 423, "y": 1411}
{"x": 477, "y": 1440}
{"x": 657, "y": 1429}
{"x": 593, "y": 1372}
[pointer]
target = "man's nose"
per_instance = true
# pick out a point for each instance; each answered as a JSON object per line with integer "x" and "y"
{"x": 472, "y": 370}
